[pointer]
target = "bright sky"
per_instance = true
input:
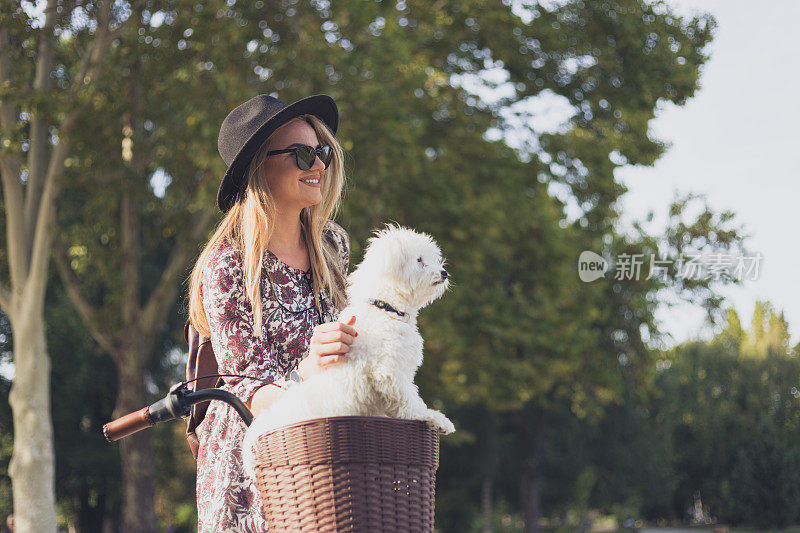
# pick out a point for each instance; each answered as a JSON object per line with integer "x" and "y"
{"x": 737, "y": 141}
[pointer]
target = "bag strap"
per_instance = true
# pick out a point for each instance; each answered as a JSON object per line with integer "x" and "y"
{"x": 201, "y": 362}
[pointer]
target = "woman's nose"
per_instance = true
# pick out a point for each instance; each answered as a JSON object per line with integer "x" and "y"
{"x": 318, "y": 164}
{"x": 444, "y": 274}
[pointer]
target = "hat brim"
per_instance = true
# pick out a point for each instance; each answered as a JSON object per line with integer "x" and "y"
{"x": 233, "y": 183}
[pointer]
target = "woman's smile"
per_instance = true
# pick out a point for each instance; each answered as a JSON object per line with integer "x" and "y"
{"x": 311, "y": 182}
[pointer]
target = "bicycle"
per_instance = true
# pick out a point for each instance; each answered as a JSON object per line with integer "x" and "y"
{"x": 336, "y": 474}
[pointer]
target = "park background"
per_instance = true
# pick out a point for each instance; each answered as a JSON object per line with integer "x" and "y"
{"x": 518, "y": 134}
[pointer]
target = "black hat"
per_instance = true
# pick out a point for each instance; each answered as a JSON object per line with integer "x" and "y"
{"x": 248, "y": 126}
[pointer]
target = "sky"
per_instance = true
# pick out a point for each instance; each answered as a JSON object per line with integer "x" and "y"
{"x": 736, "y": 142}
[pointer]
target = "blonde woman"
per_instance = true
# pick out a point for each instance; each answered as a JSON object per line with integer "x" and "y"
{"x": 269, "y": 283}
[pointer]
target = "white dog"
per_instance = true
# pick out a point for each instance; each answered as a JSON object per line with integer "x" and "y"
{"x": 401, "y": 273}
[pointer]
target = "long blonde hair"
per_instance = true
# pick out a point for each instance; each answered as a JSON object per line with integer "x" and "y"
{"x": 249, "y": 224}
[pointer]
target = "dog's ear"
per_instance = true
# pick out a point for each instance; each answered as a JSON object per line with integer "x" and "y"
{"x": 394, "y": 258}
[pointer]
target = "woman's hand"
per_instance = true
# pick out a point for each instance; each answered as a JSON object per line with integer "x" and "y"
{"x": 329, "y": 344}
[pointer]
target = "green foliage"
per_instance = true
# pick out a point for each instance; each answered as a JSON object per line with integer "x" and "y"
{"x": 735, "y": 421}
{"x": 763, "y": 489}
{"x": 769, "y": 331}
{"x": 715, "y": 420}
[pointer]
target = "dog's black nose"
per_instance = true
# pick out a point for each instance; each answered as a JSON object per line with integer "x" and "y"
{"x": 444, "y": 274}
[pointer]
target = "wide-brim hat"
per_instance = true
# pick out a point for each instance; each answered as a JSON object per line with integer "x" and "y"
{"x": 246, "y": 128}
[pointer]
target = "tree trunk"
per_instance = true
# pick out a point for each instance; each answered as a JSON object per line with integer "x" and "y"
{"x": 91, "y": 514}
{"x": 486, "y": 504}
{"x": 532, "y": 431}
{"x": 531, "y": 497}
{"x": 30, "y": 208}
{"x": 138, "y": 486}
{"x": 490, "y": 468}
{"x": 32, "y": 467}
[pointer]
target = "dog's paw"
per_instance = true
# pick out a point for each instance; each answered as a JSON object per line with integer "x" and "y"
{"x": 446, "y": 427}
{"x": 437, "y": 420}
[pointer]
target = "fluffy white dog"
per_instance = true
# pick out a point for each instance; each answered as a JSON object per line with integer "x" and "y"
{"x": 401, "y": 273}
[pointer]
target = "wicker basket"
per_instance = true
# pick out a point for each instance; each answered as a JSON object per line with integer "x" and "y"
{"x": 349, "y": 473}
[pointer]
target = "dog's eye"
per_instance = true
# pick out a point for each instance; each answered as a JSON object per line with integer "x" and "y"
{"x": 419, "y": 260}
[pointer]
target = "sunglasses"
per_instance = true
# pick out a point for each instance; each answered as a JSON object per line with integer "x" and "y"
{"x": 305, "y": 155}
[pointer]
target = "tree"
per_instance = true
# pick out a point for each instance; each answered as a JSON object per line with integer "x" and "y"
{"x": 769, "y": 331}
{"x": 523, "y": 334}
{"x": 40, "y": 107}
{"x": 527, "y": 334}
{"x": 732, "y": 334}
{"x": 732, "y": 415}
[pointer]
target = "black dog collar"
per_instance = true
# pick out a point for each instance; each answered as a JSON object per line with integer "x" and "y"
{"x": 380, "y": 304}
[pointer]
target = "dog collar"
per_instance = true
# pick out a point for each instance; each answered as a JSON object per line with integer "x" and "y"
{"x": 380, "y": 304}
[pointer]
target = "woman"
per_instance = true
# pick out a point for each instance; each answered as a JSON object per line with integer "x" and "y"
{"x": 269, "y": 283}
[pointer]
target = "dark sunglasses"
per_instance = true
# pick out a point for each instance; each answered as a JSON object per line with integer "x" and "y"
{"x": 305, "y": 155}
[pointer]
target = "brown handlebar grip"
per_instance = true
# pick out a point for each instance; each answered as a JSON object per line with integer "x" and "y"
{"x": 128, "y": 424}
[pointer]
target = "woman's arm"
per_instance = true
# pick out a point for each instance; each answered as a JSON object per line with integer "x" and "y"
{"x": 230, "y": 317}
{"x": 266, "y": 396}
{"x": 329, "y": 344}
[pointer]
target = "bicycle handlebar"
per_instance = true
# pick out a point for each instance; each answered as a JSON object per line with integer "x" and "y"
{"x": 128, "y": 424}
{"x": 176, "y": 403}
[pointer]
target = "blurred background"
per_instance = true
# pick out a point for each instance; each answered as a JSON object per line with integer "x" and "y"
{"x": 657, "y": 135}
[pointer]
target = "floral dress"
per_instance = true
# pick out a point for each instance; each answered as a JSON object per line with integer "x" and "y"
{"x": 226, "y": 498}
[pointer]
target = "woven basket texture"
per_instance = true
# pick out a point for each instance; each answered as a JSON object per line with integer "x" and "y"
{"x": 349, "y": 473}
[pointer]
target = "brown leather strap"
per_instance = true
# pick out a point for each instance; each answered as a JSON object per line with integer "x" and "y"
{"x": 201, "y": 362}
{"x": 128, "y": 424}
